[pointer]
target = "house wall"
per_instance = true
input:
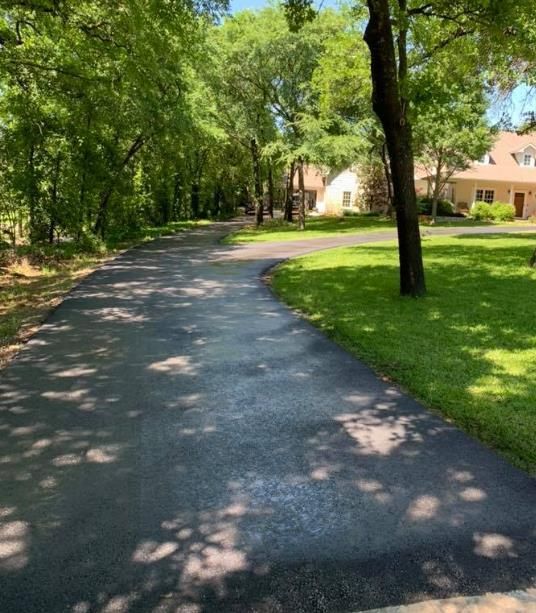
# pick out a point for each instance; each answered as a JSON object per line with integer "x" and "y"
{"x": 337, "y": 183}
{"x": 421, "y": 187}
{"x": 465, "y": 192}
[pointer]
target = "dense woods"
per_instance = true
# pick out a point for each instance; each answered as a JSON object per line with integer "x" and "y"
{"x": 117, "y": 115}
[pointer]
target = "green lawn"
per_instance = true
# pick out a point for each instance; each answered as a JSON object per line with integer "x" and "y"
{"x": 317, "y": 227}
{"x": 468, "y": 349}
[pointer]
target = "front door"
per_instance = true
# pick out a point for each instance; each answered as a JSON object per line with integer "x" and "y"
{"x": 519, "y": 203}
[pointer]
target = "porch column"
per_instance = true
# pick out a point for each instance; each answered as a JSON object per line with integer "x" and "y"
{"x": 512, "y": 194}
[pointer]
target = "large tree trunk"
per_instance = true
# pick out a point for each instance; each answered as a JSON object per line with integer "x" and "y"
{"x": 259, "y": 204}
{"x": 195, "y": 199}
{"x": 301, "y": 188}
{"x": 289, "y": 192}
{"x": 54, "y": 200}
{"x": 106, "y": 194}
{"x": 437, "y": 190}
{"x": 35, "y": 217}
{"x": 390, "y": 105}
{"x": 388, "y": 180}
{"x": 270, "y": 191}
{"x": 83, "y": 181}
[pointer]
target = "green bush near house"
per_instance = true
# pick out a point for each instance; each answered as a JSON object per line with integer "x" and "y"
{"x": 502, "y": 211}
{"x": 445, "y": 208}
{"x": 498, "y": 211}
{"x": 481, "y": 211}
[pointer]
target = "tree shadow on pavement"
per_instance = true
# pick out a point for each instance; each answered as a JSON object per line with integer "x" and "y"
{"x": 175, "y": 440}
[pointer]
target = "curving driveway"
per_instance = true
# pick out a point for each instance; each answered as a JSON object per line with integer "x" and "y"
{"x": 175, "y": 439}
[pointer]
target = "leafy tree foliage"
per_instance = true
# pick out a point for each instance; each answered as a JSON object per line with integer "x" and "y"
{"x": 101, "y": 131}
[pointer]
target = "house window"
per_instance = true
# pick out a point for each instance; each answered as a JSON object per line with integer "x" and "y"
{"x": 527, "y": 159}
{"x": 485, "y": 195}
{"x": 484, "y": 159}
{"x": 347, "y": 199}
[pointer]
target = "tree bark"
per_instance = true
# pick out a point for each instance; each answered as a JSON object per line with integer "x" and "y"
{"x": 106, "y": 194}
{"x": 54, "y": 200}
{"x": 83, "y": 181}
{"x": 270, "y": 191}
{"x": 301, "y": 188}
{"x": 287, "y": 216}
{"x": 259, "y": 205}
{"x": 195, "y": 200}
{"x": 387, "y": 172}
{"x": 35, "y": 229}
{"x": 390, "y": 105}
{"x": 437, "y": 190}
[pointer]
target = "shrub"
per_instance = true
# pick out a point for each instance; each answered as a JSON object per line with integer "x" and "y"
{"x": 498, "y": 211}
{"x": 8, "y": 255}
{"x": 502, "y": 211}
{"x": 481, "y": 211}
{"x": 89, "y": 243}
{"x": 445, "y": 208}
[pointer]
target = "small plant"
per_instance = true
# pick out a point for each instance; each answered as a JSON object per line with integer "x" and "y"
{"x": 481, "y": 211}
{"x": 502, "y": 211}
{"x": 8, "y": 255}
{"x": 498, "y": 211}
{"x": 445, "y": 208}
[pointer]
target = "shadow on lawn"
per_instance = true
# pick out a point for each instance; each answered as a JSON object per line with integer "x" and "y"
{"x": 136, "y": 477}
{"x": 477, "y": 307}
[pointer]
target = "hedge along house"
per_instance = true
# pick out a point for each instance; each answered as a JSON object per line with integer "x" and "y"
{"x": 506, "y": 174}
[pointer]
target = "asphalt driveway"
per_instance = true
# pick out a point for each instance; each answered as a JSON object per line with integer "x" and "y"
{"x": 175, "y": 439}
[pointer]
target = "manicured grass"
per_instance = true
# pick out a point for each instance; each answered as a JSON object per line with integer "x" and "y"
{"x": 28, "y": 292}
{"x": 468, "y": 349}
{"x": 317, "y": 227}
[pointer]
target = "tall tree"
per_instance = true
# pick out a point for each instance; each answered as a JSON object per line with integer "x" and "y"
{"x": 390, "y": 102}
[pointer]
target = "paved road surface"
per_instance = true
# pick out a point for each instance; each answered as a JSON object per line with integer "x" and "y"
{"x": 174, "y": 439}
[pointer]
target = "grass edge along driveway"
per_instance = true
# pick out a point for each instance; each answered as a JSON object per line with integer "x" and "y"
{"x": 329, "y": 226}
{"x": 28, "y": 293}
{"x": 468, "y": 349}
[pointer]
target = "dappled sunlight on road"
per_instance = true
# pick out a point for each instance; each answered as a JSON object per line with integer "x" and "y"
{"x": 176, "y": 440}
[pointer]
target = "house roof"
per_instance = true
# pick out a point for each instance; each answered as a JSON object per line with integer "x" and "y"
{"x": 313, "y": 178}
{"x": 503, "y": 165}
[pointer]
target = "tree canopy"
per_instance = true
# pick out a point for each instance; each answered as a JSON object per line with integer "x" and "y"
{"x": 132, "y": 112}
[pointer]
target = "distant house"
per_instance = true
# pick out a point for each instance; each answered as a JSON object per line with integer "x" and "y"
{"x": 506, "y": 174}
{"x": 314, "y": 181}
{"x": 332, "y": 192}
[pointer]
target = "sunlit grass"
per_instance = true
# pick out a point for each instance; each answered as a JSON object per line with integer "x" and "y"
{"x": 318, "y": 227}
{"x": 315, "y": 227}
{"x": 468, "y": 349}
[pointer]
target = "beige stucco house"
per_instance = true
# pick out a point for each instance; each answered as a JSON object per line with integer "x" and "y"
{"x": 330, "y": 193}
{"x": 506, "y": 174}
